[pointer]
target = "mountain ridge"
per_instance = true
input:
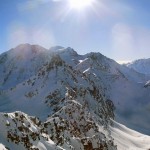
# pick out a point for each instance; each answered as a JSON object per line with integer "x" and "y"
{"x": 64, "y": 85}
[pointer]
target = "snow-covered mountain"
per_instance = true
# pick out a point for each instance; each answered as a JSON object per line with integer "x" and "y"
{"x": 140, "y": 65}
{"x": 75, "y": 97}
{"x": 20, "y": 63}
{"x": 20, "y": 131}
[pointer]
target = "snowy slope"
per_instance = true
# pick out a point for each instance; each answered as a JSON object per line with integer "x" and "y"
{"x": 49, "y": 85}
{"x": 125, "y": 87}
{"x": 2, "y": 147}
{"x": 85, "y": 91}
{"x": 141, "y": 65}
{"x": 20, "y": 131}
{"x": 20, "y": 63}
{"x": 55, "y": 87}
{"x": 66, "y": 129}
{"x": 127, "y": 139}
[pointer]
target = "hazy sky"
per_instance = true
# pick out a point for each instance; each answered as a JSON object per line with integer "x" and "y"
{"x": 119, "y": 29}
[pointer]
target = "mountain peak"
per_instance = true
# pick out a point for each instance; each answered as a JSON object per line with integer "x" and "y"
{"x": 140, "y": 65}
{"x": 26, "y": 51}
{"x": 29, "y": 47}
{"x": 23, "y": 45}
{"x": 70, "y": 51}
{"x": 60, "y": 49}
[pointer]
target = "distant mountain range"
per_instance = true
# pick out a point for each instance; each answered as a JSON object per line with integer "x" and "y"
{"x": 141, "y": 65}
{"x": 75, "y": 100}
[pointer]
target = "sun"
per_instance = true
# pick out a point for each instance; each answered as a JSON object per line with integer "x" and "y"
{"x": 80, "y": 4}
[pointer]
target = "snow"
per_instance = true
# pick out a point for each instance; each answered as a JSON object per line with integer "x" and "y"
{"x": 127, "y": 139}
{"x": 14, "y": 130}
{"x": 147, "y": 83}
{"x": 2, "y": 147}
{"x": 62, "y": 85}
{"x": 140, "y": 65}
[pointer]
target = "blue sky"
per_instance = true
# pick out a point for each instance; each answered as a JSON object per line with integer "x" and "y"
{"x": 119, "y": 29}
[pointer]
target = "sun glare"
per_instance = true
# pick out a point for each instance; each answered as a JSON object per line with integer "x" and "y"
{"x": 80, "y": 4}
